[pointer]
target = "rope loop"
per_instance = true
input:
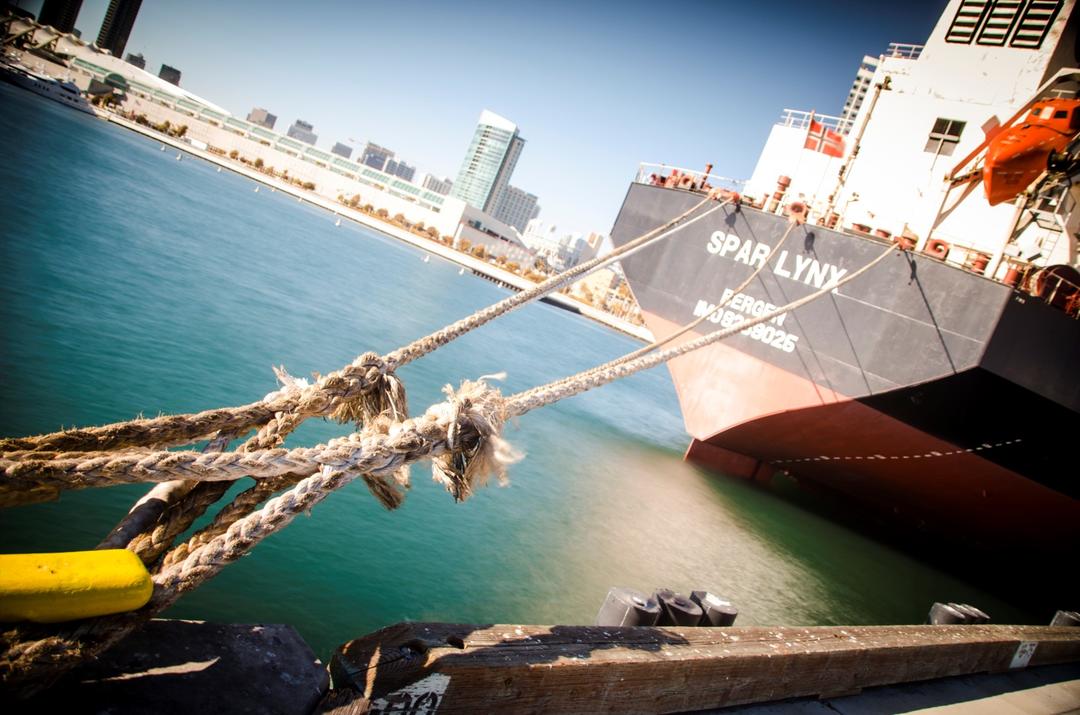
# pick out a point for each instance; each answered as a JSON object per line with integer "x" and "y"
{"x": 475, "y": 449}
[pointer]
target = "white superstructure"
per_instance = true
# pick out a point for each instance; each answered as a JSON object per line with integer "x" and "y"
{"x": 926, "y": 108}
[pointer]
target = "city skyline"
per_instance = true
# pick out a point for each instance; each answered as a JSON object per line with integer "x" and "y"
{"x": 597, "y": 89}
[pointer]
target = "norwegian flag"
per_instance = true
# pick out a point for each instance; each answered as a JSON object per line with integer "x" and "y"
{"x": 827, "y": 141}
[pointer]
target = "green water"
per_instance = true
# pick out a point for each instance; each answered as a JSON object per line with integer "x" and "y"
{"x": 137, "y": 284}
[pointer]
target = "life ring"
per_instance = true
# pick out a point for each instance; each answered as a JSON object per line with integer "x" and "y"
{"x": 937, "y": 248}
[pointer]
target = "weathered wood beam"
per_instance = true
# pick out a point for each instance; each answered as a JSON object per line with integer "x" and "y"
{"x": 579, "y": 669}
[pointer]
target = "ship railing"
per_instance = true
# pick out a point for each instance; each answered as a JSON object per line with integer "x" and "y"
{"x": 646, "y": 171}
{"x": 1056, "y": 286}
{"x": 1019, "y": 274}
{"x": 800, "y": 119}
{"x": 903, "y": 50}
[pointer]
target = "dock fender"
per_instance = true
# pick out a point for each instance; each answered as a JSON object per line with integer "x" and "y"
{"x": 50, "y": 588}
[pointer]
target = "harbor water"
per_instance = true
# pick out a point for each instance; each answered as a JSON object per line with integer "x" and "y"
{"x": 136, "y": 284}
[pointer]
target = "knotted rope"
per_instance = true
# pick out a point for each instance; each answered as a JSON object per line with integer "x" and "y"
{"x": 363, "y": 449}
{"x": 252, "y": 497}
{"x": 462, "y": 436}
{"x": 365, "y": 388}
{"x": 332, "y": 393}
{"x": 466, "y": 426}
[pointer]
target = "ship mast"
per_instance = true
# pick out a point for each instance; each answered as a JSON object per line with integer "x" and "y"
{"x": 841, "y": 176}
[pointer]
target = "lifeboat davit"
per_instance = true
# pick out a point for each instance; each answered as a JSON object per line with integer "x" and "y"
{"x": 1017, "y": 156}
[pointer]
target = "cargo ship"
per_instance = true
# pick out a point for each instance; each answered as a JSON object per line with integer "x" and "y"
{"x": 937, "y": 394}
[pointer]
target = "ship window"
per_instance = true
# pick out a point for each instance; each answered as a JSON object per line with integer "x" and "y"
{"x": 1060, "y": 114}
{"x": 944, "y": 136}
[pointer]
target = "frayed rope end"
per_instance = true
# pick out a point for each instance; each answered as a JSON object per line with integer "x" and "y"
{"x": 475, "y": 447}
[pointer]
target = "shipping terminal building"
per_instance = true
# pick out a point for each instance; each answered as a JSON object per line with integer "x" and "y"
{"x": 333, "y": 175}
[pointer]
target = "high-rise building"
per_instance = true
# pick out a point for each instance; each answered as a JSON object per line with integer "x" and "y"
{"x": 137, "y": 60}
{"x": 489, "y": 162}
{"x": 61, "y": 14}
{"x": 376, "y": 156}
{"x": 116, "y": 28}
{"x": 303, "y": 131}
{"x": 170, "y": 74}
{"x": 397, "y": 167}
{"x": 439, "y": 186}
{"x": 859, "y": 88}
{"x": 516, "y": 207}
{"x": 263, "y": 118}
{"x": 343, "y": 150}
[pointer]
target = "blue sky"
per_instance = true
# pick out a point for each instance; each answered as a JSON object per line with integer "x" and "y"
{"x": 594, "y": 87}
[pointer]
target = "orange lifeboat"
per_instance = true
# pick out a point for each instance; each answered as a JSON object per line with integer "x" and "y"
{"x": 1018, "y": 155}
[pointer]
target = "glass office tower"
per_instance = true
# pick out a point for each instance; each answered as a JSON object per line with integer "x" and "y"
{"x": 490, "y": 161}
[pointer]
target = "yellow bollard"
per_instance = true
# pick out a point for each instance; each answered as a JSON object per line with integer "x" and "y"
{"x": 48, "y": 588}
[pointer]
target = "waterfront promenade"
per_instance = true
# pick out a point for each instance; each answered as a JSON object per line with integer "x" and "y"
{"x": 483, "y": 268}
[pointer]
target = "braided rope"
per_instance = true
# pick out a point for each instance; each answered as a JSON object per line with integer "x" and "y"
{"x": 470, "y": 449}
{"x": 32, "y": 654}
{"x": 384, "y": 394}
{"x": 429, "y": 343}
{"x": 645, "y": 350}
{"x": 360, "y": 391}
{"x": 332, "y": 394}
{"x": 462, "y": 435}
{"x": 524, "y": 402}
{"x": 465, "y": 427}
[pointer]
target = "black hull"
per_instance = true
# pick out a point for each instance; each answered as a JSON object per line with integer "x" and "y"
{"x": 923, "y": 393}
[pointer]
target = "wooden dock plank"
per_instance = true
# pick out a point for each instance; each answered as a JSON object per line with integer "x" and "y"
{"x": 516, "y": 668}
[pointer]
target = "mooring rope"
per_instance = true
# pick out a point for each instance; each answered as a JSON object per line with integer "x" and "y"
{"x": 377, "y": 450}
{"x": 255, "y": 495}
{"x": 247, "y": 500}
{"x": 462, "y": 436}
{"x": 154, "y": 525}
{"x": 362, "y": 390}
{"x": 724, "y": 301}
{"x": 557, "y": 390}
{"x": 477, "y": 409}
{"x": 331, "y": 394}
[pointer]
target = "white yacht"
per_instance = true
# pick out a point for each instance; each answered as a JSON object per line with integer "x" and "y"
{"x": 59, "y": 90}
